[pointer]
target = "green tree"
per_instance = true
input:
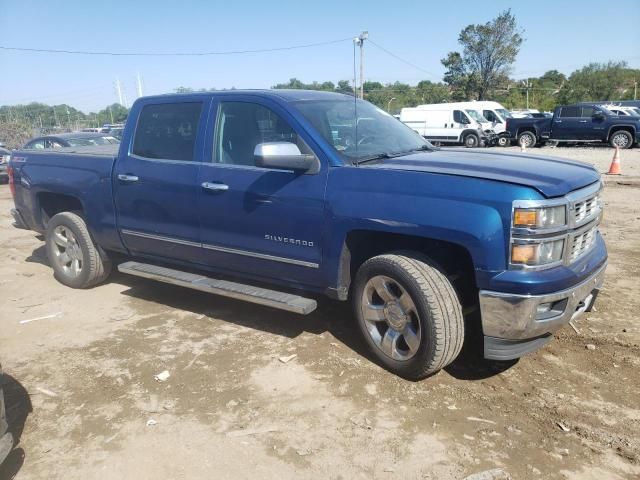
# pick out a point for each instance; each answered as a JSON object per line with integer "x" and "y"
{"x": 15, "y": 134}
{"x": 489, "y": 51}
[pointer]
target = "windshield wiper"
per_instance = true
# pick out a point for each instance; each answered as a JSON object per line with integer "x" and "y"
{"x": 377, "y": 156}
{"x": 383, "y": 155}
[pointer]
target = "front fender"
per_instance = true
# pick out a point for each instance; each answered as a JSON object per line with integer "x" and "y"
{"x": 472, "y": 213}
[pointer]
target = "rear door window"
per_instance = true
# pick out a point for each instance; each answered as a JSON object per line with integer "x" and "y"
{"x": 569, "y": 112}
{"x": 168, "y": 131}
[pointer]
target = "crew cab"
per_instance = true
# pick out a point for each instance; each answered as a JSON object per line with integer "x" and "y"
{"x": 277, "y": 196}
{"x": 577, "y": 123}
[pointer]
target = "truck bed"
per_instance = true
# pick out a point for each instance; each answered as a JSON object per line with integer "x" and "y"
{"x": 83, "y": 173}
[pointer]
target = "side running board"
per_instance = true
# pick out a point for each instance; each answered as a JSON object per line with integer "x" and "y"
{"x": 239, "y": 291}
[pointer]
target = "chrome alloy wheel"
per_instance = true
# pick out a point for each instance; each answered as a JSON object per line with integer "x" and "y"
{"x": 620, "y": 140}
{"x": 391, "y": 318}
{"x": 67, "y": 252}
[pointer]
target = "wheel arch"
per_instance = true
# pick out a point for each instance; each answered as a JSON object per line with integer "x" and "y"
{"x": 617, "y": 128}
{"x": 531, "y": 129}
{"x": 360, "y": 245}
{"x": 51, "y": 203}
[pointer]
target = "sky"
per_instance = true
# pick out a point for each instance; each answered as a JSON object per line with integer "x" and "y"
{"x": 562, "y": 35}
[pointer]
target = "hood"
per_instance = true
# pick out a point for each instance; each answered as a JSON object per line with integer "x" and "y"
{"x": 553, "y": 177}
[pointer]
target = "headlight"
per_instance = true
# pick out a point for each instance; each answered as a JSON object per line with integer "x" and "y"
{"x": 537, "y": 253}
{"x": 544, "y": 217}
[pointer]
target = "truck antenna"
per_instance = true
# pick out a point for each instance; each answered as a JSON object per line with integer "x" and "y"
{"x": 356, "y": 40}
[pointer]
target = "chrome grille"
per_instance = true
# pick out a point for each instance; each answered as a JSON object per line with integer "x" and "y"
{"x": 582, "y": 243}
{"x": 586, "y": 210}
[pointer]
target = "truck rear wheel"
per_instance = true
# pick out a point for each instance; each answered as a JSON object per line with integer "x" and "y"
{"x": 74, "y": 257}
{"x": 471, "y": 140}
{"x": 621, "y": 139}
{"x": 408, "y": 313}
{"x": 528, "y": 139}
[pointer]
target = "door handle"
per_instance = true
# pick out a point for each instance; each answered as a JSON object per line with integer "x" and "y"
{"x": 127, "y": 178}
{"x": 216, "y": 187}
{"x": 583, "y": 121}
{"x": 558, "y": 121}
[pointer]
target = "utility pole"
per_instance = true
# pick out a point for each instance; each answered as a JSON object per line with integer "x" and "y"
{"x": 110, "y": 113}
{"x": 527, "y": 85}
{"x": 139, "y": 85}
{"x": 361, "y": 38}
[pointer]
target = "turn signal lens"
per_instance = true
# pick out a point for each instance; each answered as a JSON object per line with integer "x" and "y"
{"x": 525, "y": 254}
{"x": 525, "y": 218}
{"x": 533, "y": 254}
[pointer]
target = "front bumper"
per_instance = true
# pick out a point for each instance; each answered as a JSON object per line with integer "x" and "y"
{"x": 517, "y": 324}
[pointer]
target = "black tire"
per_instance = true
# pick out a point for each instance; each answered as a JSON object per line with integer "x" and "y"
{"x": 529, "y": 139}
{"x": 621, "y": 139}
{"x": 437, "y": 310}
{"x": 93, "y": 268}
{"x": 471, "y": 140}
{"x": 503, "y": 141}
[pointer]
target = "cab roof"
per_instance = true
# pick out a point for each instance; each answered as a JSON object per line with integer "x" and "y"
{"x": 288, "y": 95}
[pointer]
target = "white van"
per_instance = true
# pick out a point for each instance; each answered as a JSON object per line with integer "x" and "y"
{"x": 444, "y": 123}
{"x": 492, "y": 111}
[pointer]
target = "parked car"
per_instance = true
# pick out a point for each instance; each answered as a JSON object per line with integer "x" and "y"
{"x": 6, "y": 439}
{"x": 116, "y": 132}
{"x": 622, "y": 110}
{"x": 577, "y": 123}
{"x": 448, "y": 124}
{"x": 4, "y": 161}
{"x": 254, "y": 190}
{"x": 76, "y": 139}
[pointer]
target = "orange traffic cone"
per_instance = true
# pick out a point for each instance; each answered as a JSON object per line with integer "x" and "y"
{"x": 614, "y": 169}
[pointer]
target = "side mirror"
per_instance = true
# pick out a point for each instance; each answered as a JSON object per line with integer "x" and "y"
{"x": 598, "y": 115}
{"x": 285, "y": 156}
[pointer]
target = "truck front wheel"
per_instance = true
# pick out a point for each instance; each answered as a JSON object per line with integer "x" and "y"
{"x": 75, "y": 259}
{"x": 621, "y": 139}
{"x": 408, "y": 313}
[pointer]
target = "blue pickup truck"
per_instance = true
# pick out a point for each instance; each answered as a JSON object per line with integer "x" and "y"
{"x": 577, "y": 123}
{"x": 265, "y": 195}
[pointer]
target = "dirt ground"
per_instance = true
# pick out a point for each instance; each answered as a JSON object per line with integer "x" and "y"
{"x": 83, "y": 402}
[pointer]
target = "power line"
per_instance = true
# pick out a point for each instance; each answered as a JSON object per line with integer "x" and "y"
{"x": 402, "y": 59}
{"x": 173, "y": 54}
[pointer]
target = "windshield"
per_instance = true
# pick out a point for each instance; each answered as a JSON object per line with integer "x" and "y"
{"x": 504, "y": 113}
{"x": 477, "y": 116}
{"x": 375, "y": 133}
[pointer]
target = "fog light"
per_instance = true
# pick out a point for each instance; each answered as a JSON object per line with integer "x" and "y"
{"x": 543, "y": 308}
